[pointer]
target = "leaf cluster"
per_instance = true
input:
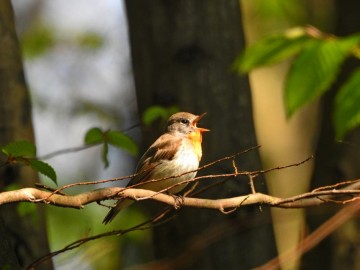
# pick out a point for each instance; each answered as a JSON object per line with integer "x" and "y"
{"x": 24, "y": 152}
{"x": 317, "y": 61}
{"x": 117, "y": 139}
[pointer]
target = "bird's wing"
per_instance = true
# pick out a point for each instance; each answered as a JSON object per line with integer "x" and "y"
{"x": 164, "y": 148}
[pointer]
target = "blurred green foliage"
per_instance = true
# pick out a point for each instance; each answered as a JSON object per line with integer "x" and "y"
{"x": 37, "y": 40}
{"x": 284, "y": 11}
{"x": 268, "y": 16}
{"x": 317, "y": 59}
{"x": 90, "y": 40}
{"x": 154, "y": 113}
{"x": 29, "y": 211}
{"x": 347, "y": 103}
{"x": 75, "y": 224}
{"x": 40, "y": 38}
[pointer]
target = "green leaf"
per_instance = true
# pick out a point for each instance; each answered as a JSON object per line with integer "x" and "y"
{"x": 43, "y": 168}
{"x": 272, "y": 50}
{"x": 153, "y": 113}
{"x": 94, "y": 136}
{"x": 314, "y": 70}
{"x": 19, "y": 149}
{"x": 104, "y": 155}
{"x": 120, "y": 140}
{"x": 347, "y": 106}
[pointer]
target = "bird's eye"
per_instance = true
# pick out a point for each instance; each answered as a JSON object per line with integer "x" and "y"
{"x": 184, "y": 121}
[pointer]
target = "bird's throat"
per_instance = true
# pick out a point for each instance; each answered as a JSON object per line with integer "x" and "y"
{"x": 196, "y": 139}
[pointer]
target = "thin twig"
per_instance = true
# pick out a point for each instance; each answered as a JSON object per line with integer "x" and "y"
{"x": 218, "y": 175}
{"x": 142, "y": 226}
{"x": 315, "y": 197}
{"x": 79, "y": 148}
{"x": 251, "y": 183}
{"x": 151, "y": 181}
{"x": 66, "y": 151}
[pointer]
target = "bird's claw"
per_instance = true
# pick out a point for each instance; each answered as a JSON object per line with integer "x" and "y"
{"x": 179, "y": 201}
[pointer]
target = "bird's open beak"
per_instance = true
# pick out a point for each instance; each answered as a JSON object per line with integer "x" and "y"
{"x": 196, "y": 120}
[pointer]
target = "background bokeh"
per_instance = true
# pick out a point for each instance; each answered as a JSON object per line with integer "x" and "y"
{"x": 78, "y": 67}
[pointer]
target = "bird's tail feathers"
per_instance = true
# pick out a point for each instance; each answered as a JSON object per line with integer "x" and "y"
{"x": 121, "y": 204}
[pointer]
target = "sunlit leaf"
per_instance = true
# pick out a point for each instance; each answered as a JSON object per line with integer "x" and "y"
{"x": 272, "y": 50}
{"x": 19, "y": 149}
{"x": 347, "y": 106}
{"x": 43, "y": 168}
{"x": 314, "y": 70}
{"x": 94, "y": 136}
{"x": 121, "y": 141}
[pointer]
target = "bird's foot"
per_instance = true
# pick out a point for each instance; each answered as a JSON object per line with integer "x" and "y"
{"x": 179, "y": 201}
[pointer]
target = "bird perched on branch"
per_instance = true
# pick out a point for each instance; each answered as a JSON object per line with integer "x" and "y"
{"x": 175, "y": 152}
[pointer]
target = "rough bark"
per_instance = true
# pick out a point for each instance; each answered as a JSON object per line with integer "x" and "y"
{"x": 24, "y": 233}
{"x": 182, "y": 53}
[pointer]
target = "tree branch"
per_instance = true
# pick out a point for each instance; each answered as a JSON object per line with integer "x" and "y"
{"x": 349, "y": 189}
{"x": 78, "y": 201}
{"x": 343, "y": 192}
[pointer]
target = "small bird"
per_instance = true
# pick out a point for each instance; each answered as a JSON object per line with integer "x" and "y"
{"x": 175, "y": 152}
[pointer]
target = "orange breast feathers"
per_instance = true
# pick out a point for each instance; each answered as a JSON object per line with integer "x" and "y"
{"x": 196, "y": 139}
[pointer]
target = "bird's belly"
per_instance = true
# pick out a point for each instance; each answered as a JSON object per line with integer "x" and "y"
{"x": 180, "y": 164}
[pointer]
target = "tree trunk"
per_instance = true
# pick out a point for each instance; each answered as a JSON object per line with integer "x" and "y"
{"x": 22, "y": 233}
{"x": 182, "y": 53}
{"x": 336, "y": 162}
